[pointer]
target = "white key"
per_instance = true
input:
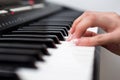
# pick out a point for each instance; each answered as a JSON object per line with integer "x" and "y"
{"x": 67, "y": 62}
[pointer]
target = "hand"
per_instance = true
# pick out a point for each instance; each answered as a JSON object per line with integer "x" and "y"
{"x": 108, "y": 21}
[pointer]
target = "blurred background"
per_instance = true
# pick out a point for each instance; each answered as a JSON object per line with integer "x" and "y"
{"x": 109, "y": 62}
{"x": 98, "y": 5}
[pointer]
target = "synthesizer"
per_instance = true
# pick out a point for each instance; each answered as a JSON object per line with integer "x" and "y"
{"x": 33, "y": 44}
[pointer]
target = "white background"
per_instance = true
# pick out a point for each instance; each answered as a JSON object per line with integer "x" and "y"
{"x": 110, "y": 63}
{"x": 98, "y": 5}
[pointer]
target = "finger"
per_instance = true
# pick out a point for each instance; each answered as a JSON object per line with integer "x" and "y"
{"x": 99, "y": 20}
{"x": 86, "y": 34}
{"x": 89, "y": 34}
{"x": 72, "y": 29}
{"x": 76, "y": 23}
{"x": 101, "y": 39}
{"x": 81, "y": 28}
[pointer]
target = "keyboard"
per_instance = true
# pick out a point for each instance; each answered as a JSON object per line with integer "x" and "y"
{"x": 33, "y": 46}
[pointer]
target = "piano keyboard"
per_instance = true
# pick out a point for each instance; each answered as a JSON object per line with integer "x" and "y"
{"x": 32, "y": 44}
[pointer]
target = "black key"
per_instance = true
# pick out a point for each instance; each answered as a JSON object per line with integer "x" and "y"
{"x": 27, "y": 52}
{"x": 61, "y": 20}
{"x": 69, "y": 13}
{"x": 41, "y": 48}
{"x": 53, "y": 23}
{"x": 61, "y": 30}
{"x": 45, "y": 27}
{"x": 43, "y": 23}
{"x": 57, "y": 33}
{"x": 62, "y": 17}
{"x": 53, "y": 37}
{"x": 8, "y": 75}
{"x": 17, "y": 60}
{"x": 47, "y": 42}
{"x": 66, "y": 17}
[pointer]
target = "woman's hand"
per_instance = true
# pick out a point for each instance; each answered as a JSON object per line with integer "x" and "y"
{"x": 108, "y": 21}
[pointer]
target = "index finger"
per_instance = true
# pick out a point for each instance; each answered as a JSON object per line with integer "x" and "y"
{"x": 82, "y": 27}
{"x": 76, "y": 22}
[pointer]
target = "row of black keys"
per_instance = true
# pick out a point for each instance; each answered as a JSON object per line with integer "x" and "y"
{"x": 27, "y": 44}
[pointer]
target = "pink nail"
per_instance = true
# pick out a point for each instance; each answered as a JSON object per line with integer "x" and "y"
{"x": 74, "y": 41}
{"x": 69, "y": 37}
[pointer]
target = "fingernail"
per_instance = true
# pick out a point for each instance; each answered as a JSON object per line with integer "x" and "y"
{"x": 74, "y": 41}
{"x": 69, "y": 37}
{"x": 73, "y": 36}
{"x": 70, "y": 31}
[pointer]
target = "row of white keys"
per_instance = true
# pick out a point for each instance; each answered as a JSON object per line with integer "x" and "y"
{"x": 67, "y": 62}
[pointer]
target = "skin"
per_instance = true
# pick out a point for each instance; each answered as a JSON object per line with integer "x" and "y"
{"x": 108, "y": 21}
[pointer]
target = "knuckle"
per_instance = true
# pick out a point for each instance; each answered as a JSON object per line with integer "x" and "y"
{"x": 99, "y": 40}
{"x": 114, "y": 14}
{"x": 78, "y": 27}
{"x": 90, "y": 15}
{"x": 76, "y": 20}
{"x": 87, "y": 13}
